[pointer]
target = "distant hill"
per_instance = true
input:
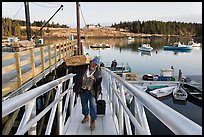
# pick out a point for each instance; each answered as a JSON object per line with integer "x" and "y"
{"x": 123, "y": 29}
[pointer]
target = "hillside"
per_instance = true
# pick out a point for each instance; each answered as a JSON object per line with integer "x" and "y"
{"x": 84, "y": 32}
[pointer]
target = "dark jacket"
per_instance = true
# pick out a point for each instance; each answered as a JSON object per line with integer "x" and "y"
{"x": 79, "y": 71}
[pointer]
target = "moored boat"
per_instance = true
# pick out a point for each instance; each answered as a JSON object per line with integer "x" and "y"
{"x": 193, "y": 92}
{"x": 100, "y": 46}
{"x": 162, "y": 92}
{"x": 145, "y": 47}
{"x": 194, "y": 44}
{"x": 178, "y": 46}
{"x": 180, "y": 93}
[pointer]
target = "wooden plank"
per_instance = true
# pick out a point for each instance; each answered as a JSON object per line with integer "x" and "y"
{"x": 36, "y": 49}
{"x": 9, "y": 124}
{"x": 32, "y": 60}
{"x": 63, "y": 46}
{"x": 38, "y": 57}
{"x": 25, "y": 62}
{"x": 9, "y": 86}
{"x": 8, "y": 68}
{"x": 18, "y": 69}
{"x": 49, "y": 56}
{"x": 23, "y": 53}
{"x": 26, "y": 76}
{"x": 55, "y": 54}
{"x": 38, "y": 70}
{"x": 8, "y": 57}
{"x": 42, "y": 58}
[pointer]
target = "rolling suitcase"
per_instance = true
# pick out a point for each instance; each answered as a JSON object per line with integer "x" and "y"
{"x": 101, "y": 106}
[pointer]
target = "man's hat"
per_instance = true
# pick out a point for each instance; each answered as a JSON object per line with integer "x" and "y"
{"x": 96, "y": 60}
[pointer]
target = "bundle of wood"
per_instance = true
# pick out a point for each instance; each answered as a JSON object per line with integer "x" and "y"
{"x": 130, "y": 76}
{"x": 77, "y": 60}
{"x": 22, "y": 45}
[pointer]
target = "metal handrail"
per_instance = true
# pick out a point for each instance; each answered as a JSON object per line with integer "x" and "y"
{"x": 165, "y": 114}
{"x": 12, "y": 104}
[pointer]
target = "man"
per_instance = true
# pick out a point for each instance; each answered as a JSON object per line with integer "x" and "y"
{"x": 88, "y": 85}
{"x": 90, "y": 89}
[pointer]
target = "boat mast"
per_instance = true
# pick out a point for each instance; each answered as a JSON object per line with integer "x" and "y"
{"x": 28, "y": 28}
{"x": 78, "y": 30}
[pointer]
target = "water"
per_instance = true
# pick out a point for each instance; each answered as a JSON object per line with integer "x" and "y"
{"x": 142, "y": 63}
{"x": 189, "y": 62}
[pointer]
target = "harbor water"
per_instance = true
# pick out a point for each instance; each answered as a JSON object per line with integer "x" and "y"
{"x": 190, "y": 63}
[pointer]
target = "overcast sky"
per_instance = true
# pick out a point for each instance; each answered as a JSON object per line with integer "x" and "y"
{"x": 106, "y": 13}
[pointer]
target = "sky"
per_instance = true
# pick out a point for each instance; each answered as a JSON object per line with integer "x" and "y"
{"x": 106, "y": 13}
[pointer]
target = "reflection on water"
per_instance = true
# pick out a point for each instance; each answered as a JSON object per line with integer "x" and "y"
{"x": 189, "y": 62}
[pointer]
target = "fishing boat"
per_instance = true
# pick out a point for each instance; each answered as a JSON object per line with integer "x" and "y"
{"x": 194, "y": 44}
{"x": 193, "y": 92}
{"x": 145, "y": 47}
{"x": 178, "y": 46}
{"x": 180, "y": 93}
{"x": 162, "y": 92}
{"x": 121, "y": 68}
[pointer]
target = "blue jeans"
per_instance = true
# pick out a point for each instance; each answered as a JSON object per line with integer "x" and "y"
{"x": 86, "y": 97}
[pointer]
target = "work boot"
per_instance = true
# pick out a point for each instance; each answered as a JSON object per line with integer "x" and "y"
{"x": 86, "y": 118}
{"x": 93, "y": 124}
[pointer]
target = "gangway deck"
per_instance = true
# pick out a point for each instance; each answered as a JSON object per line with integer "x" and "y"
{"x": 105, "y": 124}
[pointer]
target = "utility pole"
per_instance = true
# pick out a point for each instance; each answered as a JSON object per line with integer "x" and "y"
{"x": 28, "y": 29}
{"x": 78, "y": 30}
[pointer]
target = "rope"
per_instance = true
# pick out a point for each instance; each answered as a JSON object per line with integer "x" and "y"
{"x": 82, "y": 15}
{"x": 18, "y": 11}
{"x": 45, "y": 6}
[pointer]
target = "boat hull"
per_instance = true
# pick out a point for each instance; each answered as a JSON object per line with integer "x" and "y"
{"x": 162, "y": 92}
{"x": 180, "y": 94}
{"x": 145, "y": 49}
{"x": 177, "y": 48}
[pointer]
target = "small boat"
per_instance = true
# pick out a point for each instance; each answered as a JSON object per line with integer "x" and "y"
{"x": 130, "y": 38}
{"x": 162, "y": 92}
{"x": 180, "y": 93}
{"x": 194, "y": 44}
{"x": 121, "y": 68}
{"x": 178, "y": 46}
{"x": 192, "y": 91}
{"x": 145, "y": 47}
{"x": 100, "y": 46}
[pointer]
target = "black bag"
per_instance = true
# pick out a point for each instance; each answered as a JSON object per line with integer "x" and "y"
{"x": 101, "y": 106}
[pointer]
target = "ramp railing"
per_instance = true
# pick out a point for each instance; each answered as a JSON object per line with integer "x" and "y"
{"x": 117, "y": 87}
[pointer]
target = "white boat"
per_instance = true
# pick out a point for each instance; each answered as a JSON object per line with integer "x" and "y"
{"x": 145, "y": 47}
{"x": 180, "y": 93}
{"x": 194, "y": 44}
{"x": 161, "y": 92}
{"x": 130, "y": 38}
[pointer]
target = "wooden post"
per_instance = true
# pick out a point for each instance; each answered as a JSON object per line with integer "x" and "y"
{"x": 32, "y": 60}
{"x": 60, "y": 56}
{"x": 63, "y": 49}
{"x": 49, "y": 57}
{"x": 55, "y": 54}
{"x": 42, "y": 60}
{"x": 18, "y": 69}
{"x": 78, "y": 30}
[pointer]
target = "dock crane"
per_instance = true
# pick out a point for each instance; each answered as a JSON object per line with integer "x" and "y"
{"x": 28, "y": 30}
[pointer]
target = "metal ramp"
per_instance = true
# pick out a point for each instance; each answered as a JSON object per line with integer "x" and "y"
{"x": 117, "y": 119}
{"x": 105, "y": 124}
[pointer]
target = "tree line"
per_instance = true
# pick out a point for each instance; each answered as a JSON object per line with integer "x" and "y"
{"x": 159, "y": 27}
{"x": 12, "y": 27}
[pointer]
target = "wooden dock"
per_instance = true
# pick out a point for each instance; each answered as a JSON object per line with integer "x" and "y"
{"x": 20, "y": 67}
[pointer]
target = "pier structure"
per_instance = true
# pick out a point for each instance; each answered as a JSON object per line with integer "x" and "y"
{"x": 61, "y": 110}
